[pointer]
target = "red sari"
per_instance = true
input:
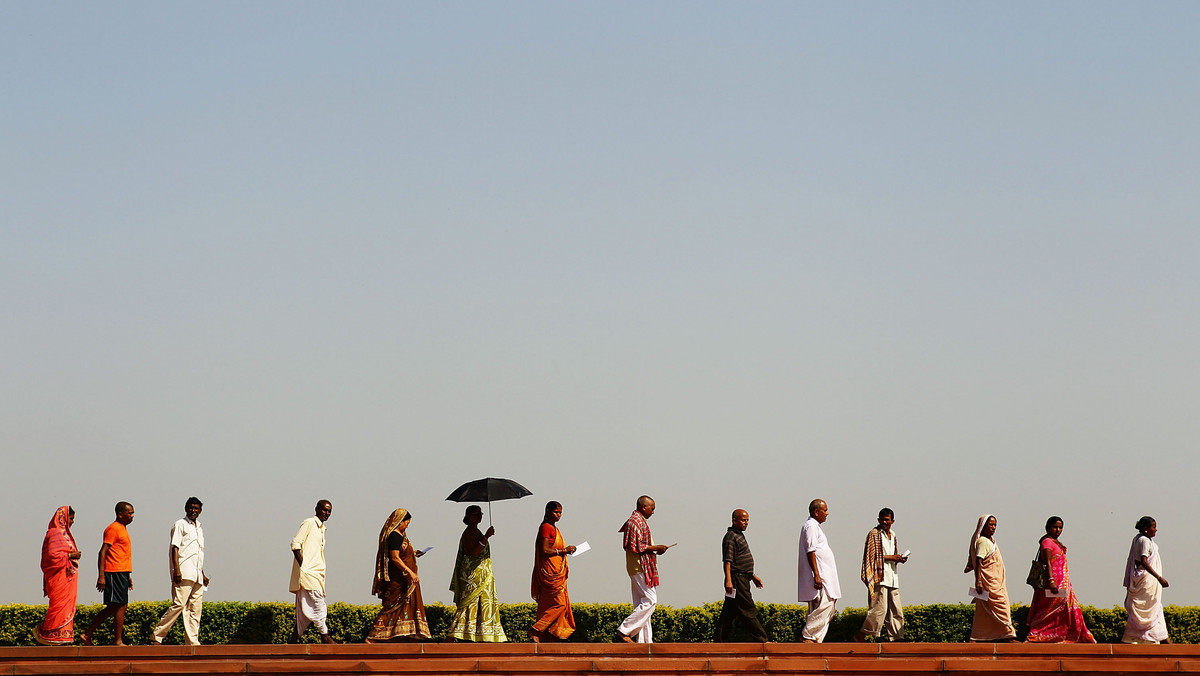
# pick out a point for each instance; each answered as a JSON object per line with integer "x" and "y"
{"x": 549, "y": 587}
{"x": 60, "y": 581}
{"x": 1057, "y": 619}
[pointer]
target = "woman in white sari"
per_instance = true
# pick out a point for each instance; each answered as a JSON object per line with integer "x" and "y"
{"x": 1144, "y": 581}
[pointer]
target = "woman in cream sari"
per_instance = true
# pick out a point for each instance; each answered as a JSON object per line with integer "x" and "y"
{"x": 993, "y": 617}
{"x": 474, "y": 585}
{"x": 1144, "y": 583}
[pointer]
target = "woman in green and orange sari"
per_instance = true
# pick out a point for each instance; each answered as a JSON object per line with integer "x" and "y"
{"x": 549, "y": 588}
{"x": 477, "y": 617}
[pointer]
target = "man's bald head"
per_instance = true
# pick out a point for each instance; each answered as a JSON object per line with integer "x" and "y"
{"x": 645, "y": 505}
{"x": 741, "y": 519}
{"x": 818, "y": 510}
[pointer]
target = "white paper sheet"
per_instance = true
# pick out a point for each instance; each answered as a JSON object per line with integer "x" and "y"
{"x": 426, "y": 550}
{"x": 982, "y": 596}
{"x": 906, "y": 553}
{"x": 1060, "y": 594}
{"x": 580, "y": 548}
{"x": 732, "y": 594}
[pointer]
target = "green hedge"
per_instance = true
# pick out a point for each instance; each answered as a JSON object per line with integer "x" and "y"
{"x": 236, "y": 622}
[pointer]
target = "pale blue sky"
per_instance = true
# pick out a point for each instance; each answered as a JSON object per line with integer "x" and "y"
{"x": 935, "y": 256}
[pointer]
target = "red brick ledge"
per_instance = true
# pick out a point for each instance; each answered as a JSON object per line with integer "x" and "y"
{"x": 523, "y": 659}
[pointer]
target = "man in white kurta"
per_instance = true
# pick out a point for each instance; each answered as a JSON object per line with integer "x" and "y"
{"x": 308, "y": 573}
{"x": 817, "y": 578}
{"x": 185, "y": 561}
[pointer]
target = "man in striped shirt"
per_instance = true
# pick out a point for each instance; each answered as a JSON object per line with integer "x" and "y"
{"x": 738, "y": 563}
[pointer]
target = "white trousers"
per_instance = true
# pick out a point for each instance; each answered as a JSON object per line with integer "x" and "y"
{"x": 884, "y": 610}
{"x": 645, "y": 597}
{"x": 820, "y": 612}
{"x": 310, "y": 609}
{"x": 187, "y": 599}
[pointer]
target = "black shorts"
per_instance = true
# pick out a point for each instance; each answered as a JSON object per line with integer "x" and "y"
{"x": 116, "y": 588}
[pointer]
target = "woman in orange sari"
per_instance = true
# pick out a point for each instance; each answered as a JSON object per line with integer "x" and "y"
{"x": 1056, "y": 619}
{"x": 60, "y": 579}
{"x": 398, "y": 585}
{"x": 549, "y": 588}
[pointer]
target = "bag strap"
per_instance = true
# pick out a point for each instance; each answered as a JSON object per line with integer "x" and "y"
{"x": 1041, "y": 551}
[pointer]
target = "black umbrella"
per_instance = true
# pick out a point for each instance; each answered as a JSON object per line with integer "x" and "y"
{"x": 487, "y": 490}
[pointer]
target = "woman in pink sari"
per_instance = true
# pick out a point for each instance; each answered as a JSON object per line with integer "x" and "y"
{"x": 60, "y": 579}
{"x": 1056, "y": 619}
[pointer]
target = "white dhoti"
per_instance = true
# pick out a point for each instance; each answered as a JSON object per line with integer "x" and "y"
{"x": 187, "y": 599}
{"x": 645, "y": 597}
{"x": 1143, "y": 604}
{"x": 820, "y": 612}
{"x": 310, "y": 609}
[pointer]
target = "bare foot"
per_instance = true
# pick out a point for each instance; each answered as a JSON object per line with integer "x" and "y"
{"x": 86, "y": 639}
{"x": 327, "y": 639}
{"x": 624, "y": 638}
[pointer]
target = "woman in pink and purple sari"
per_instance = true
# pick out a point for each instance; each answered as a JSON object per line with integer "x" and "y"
{"x": 60, "y": 579}
{"x": 1056, "y": 618}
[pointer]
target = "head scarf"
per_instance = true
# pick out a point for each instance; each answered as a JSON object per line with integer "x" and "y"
{"x": 974, "y": 539}
{"x": 393, "y": 522}
{"x": 57, "y": 546}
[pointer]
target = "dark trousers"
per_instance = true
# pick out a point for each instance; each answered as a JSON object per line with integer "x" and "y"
{"x": 741, "y": 605}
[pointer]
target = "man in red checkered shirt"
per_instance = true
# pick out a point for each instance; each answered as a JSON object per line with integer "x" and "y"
{"x": 641, "y": 562}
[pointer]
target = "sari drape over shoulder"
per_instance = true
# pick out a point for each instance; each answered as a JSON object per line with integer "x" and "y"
{"x": 549, "y": 586}
{"x": 474, "y": 586}
{"x": 1056, "y": 619}
{"x": 60, "y": 581}
{"x": 993, "y": 617}
{"x": 1145, "y": 621}
{"x": 403, "y": 614}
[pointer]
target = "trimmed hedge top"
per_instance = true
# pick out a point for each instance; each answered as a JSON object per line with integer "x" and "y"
{"x": 238, "y": 622}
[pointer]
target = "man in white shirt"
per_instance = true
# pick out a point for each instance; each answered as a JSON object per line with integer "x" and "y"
{"x": 308, "y": 573}
{"x": 817, "y": 578}
{"x": 880, "y": 558}
{"x": 185, "y": 558}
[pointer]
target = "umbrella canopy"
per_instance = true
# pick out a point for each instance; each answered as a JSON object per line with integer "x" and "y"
{"x": 487, "y": 490}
